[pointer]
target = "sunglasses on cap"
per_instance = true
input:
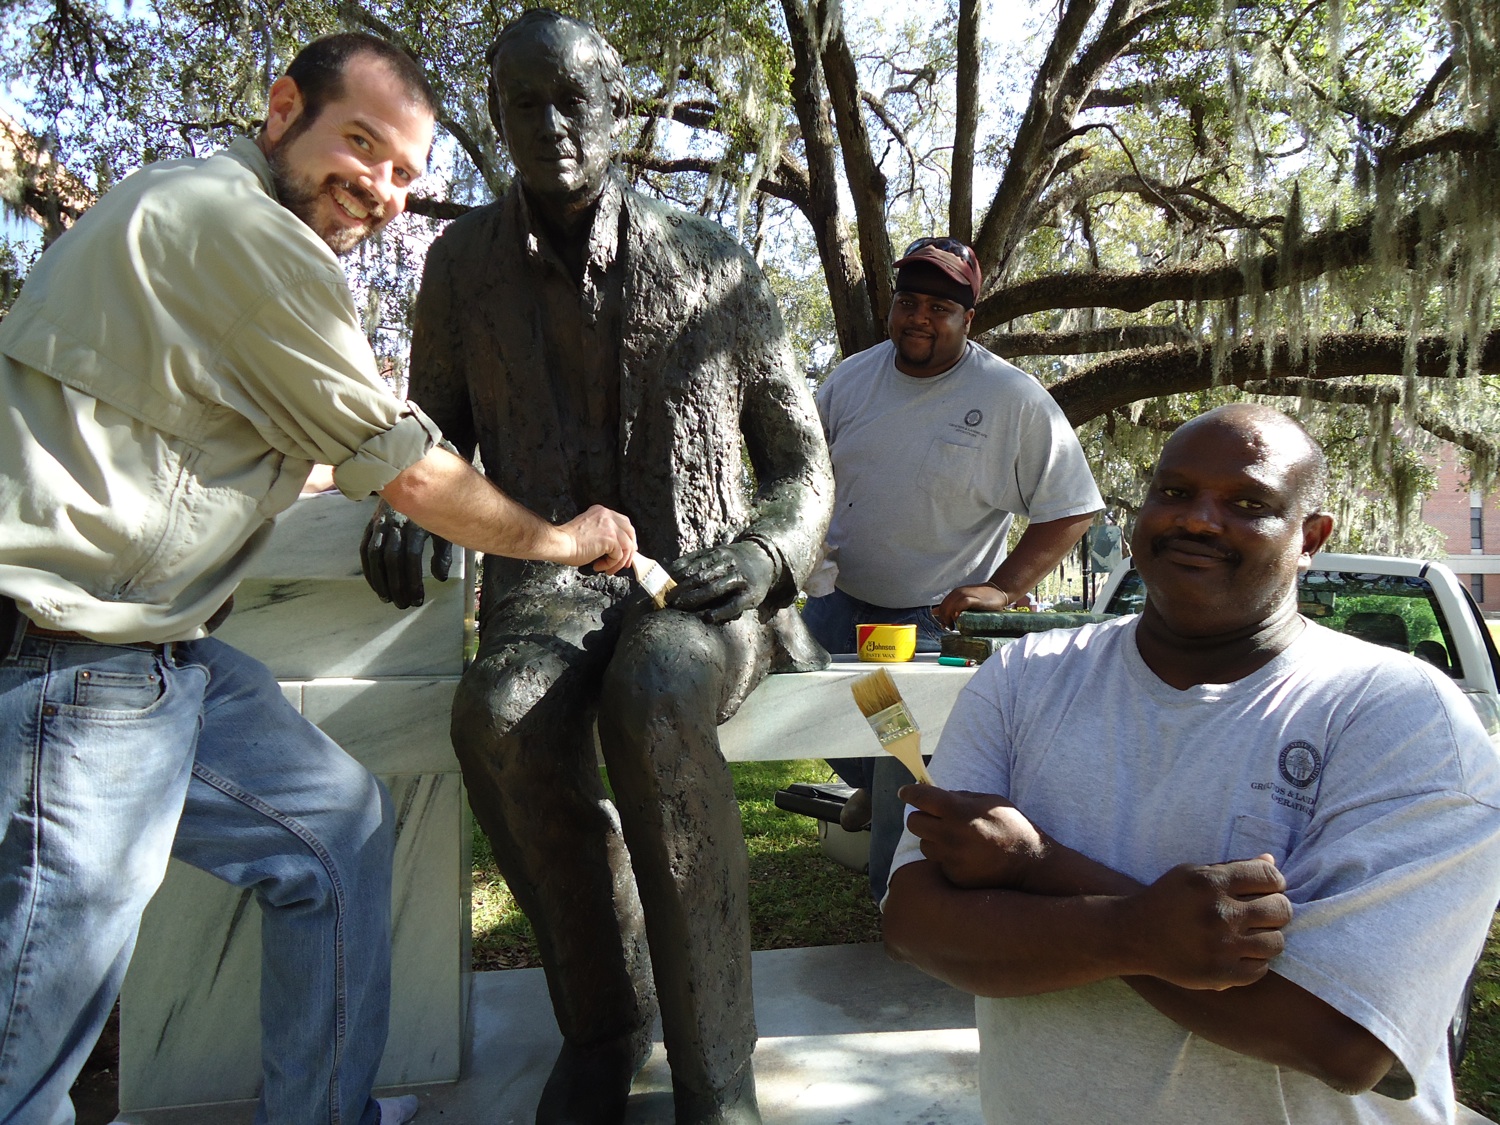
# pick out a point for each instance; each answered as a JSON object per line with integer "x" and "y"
{"x": 947, "y": 245}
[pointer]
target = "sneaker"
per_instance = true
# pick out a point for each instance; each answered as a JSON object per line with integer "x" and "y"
{"x": 397, "y": 1111}
{"x": 855, "y": 815}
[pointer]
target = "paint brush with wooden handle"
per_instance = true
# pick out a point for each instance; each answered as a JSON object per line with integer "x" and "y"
{"x": 654, "y": 579}
{"x": 878, "y": 701}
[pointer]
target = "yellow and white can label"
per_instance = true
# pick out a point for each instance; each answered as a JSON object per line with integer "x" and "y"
{"x": 886, "y": 644}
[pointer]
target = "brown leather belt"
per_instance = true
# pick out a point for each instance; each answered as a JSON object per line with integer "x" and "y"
{"x": 35, "y": 630}
{"x": 11, "y": 617}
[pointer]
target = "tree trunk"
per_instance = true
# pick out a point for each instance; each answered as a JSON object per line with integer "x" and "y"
{"x": 852, "y": 315}
{"x": 961, "y": 202}
{"x": 866, "y": 181}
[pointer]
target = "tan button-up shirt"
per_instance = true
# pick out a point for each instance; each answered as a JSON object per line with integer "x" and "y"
{"x": 171, "y": 371}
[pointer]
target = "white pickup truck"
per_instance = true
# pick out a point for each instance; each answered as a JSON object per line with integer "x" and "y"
{"x": 1414, "y": 605}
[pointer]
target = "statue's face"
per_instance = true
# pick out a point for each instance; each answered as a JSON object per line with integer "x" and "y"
{"x": 556, "y": 114}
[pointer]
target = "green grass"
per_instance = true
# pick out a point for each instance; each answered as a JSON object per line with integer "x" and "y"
{"x": 798, "y": 896}
{"x": 1479, "y": 1077}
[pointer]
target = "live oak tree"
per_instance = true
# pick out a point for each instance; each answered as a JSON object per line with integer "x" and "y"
{"x": 1175, "y": 201}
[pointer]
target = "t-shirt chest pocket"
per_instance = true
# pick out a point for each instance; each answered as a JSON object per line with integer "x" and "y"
{"x": 1250, "y": 836}
{"x": 947, "y": 468}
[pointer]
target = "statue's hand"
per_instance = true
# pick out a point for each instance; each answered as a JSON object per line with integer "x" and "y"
{"x": 721, "y": 583}
{"x": 390, "y": 554}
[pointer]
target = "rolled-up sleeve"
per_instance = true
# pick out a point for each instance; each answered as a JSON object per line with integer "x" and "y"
{"x": 299, "y": 368}
{"x": 378, "y": 461}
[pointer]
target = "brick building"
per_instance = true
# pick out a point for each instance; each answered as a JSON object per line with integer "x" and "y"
{"x": 1470, "y": 523}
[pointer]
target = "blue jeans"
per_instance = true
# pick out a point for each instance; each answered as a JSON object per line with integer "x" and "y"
{"x": 113, "y": 757}
{"x": 831, "y": 620}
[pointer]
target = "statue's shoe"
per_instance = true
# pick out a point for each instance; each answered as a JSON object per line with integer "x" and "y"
{"x": 735, "y": 1104}
{"x": 590, "y": 1085}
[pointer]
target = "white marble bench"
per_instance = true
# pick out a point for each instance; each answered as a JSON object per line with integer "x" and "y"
{"x": 380, "y": 682}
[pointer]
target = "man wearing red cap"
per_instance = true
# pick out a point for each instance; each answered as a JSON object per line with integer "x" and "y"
{"x": 937, "y": 445}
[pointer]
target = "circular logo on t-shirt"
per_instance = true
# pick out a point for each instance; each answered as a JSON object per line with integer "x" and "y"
{"x": 1300, "y": 764}
{"x": 973, "y": 418}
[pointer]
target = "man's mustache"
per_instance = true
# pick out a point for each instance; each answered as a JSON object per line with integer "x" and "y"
{"x": 375, "y": 210}
{"x": 1211, "y": 543}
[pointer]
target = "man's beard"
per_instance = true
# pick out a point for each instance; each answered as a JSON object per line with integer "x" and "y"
{"x": 299, "y": 195}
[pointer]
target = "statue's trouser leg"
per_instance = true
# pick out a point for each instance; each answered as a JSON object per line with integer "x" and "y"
{"x": 658, "y": 721}
{"x": 523, "y": 731}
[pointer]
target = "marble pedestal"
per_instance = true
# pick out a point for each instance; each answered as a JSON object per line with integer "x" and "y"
{"x": 380, "y": 682}
{"x": 812, "y": 714}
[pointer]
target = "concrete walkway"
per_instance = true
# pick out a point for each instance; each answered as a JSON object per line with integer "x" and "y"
{"x": 846, "y": 1036}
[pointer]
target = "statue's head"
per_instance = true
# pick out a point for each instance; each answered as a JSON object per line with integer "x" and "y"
{"x": 558, "y": 96}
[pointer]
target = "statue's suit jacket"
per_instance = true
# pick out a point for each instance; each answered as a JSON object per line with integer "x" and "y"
{"x": 704, "y": 362}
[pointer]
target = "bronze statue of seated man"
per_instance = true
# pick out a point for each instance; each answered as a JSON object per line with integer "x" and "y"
{"x": 597, "y": 346}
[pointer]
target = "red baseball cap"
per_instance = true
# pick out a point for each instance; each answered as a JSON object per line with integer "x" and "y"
{"x": 953, "y": 257}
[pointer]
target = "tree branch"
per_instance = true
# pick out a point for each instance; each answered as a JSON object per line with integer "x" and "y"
{"x": 1313, "y": 256}
{"x": 1380, "y": 395}
{"x": 1031, "y": 159}
{"x": 1128, "y": 97}
{"x": 1145, "y": 186}
{"x": 1056, "y": 96}
{"x": 1183, "y": 198}
{"x": 794, "y": 192}
{"x": 435, "y": 208}
{"x": 883, "y": 114}
{"x": 1486, "y": 447}
{"x": 1154, "y": 372}
{"x": 1426, "y": 99}
{"x": 1450, "y": 140}
{"x": 696, "y": 113}
{"x": 1012, "y": 344}
{"x": 852, "y": 315}
{"x": 1353, "y": 394}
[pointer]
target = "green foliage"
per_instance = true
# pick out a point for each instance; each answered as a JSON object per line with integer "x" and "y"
{"x": 16, "y": 259}
{"x": 1478, "y": 1081}
{"x": 809, "y": 317}
{"x": 798, "y": 896}
{"x": 1216, "y": 133}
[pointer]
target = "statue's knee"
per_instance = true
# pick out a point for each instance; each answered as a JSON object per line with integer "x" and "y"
{"x": 493, "y": 704}
{"x": 668, "y": 662}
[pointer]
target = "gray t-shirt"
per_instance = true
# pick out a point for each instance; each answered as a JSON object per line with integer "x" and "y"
{"x": 929, "y": 472}
{"x": 1365, "y": 773}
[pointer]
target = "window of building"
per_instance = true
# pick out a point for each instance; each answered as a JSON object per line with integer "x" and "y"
{"x": 1476, "y": 523}
{"x": 1476, "y": 587}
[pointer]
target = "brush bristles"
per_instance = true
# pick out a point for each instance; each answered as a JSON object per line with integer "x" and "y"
{"x": 875, "y": 692}
{"x": 654, "y": 579}
{"x": 666, "y": 587}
